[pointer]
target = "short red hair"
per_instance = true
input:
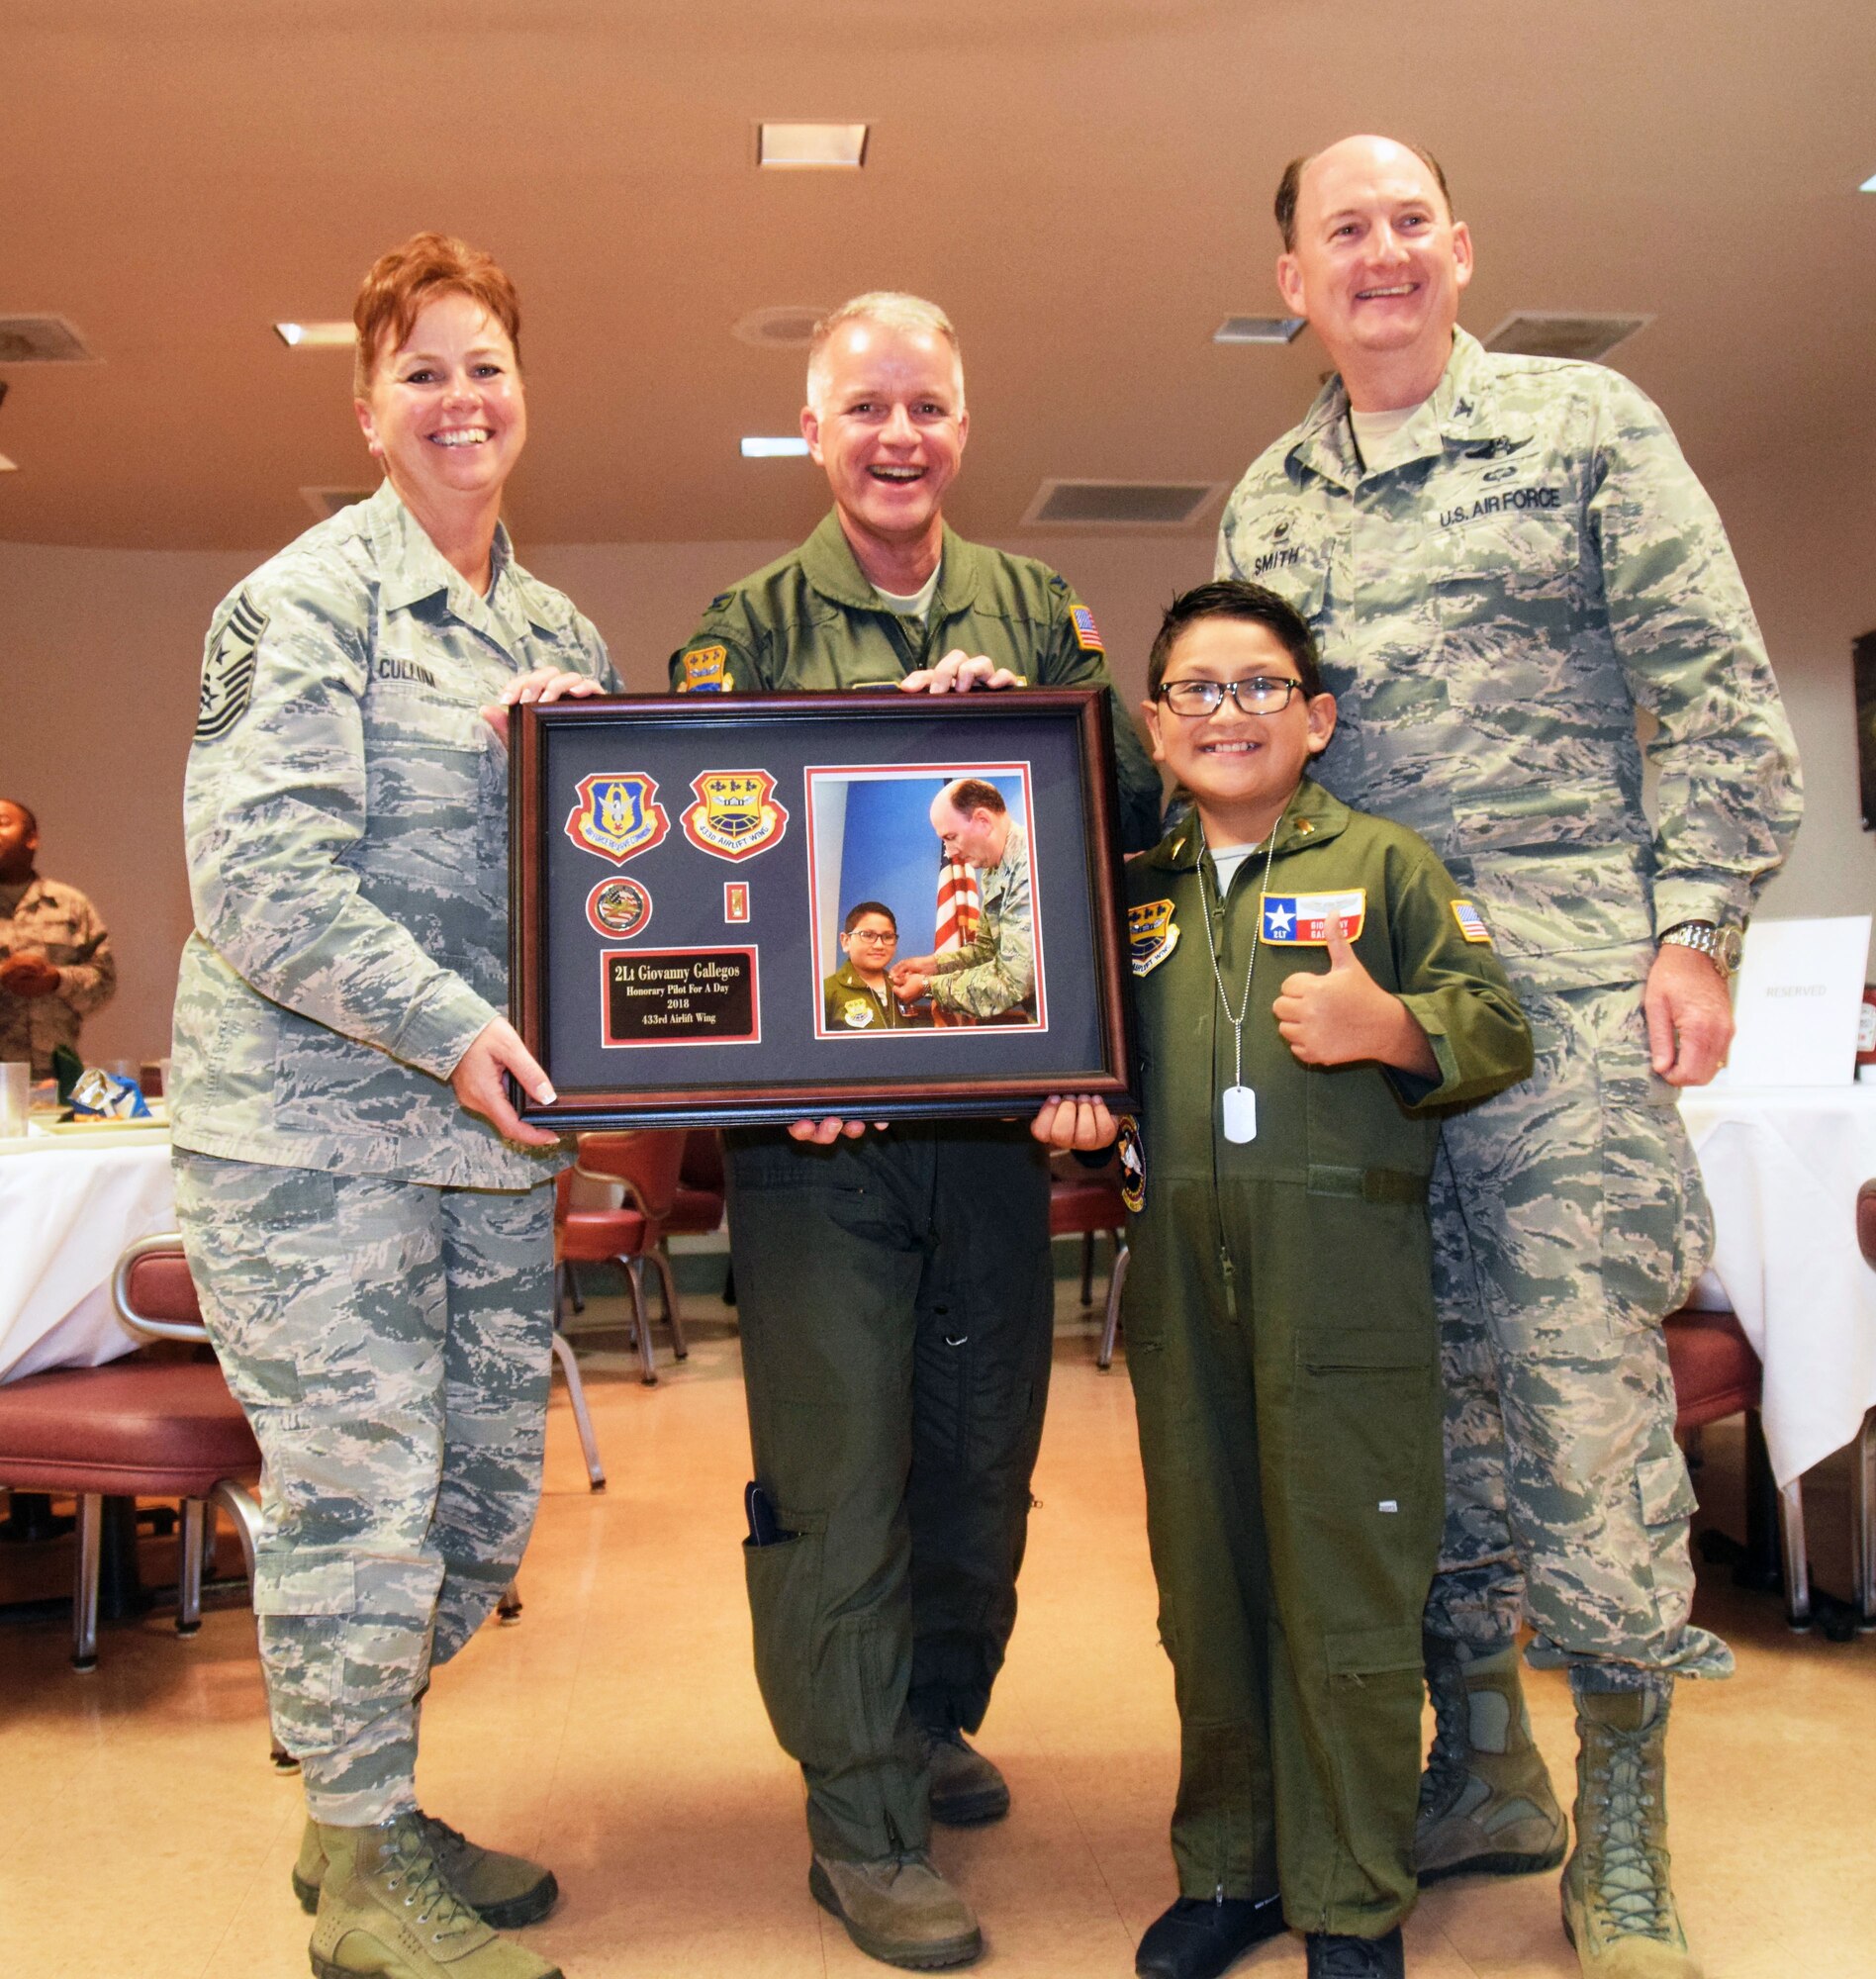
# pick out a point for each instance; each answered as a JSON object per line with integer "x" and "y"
{"x": 403, "y": 281}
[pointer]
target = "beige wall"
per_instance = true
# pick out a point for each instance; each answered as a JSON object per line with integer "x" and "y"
{"x": 102, "y": 650}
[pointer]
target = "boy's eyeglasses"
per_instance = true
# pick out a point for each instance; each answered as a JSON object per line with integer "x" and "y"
{"x": 872, "y": 934}
{"x": 1261, "y": 694}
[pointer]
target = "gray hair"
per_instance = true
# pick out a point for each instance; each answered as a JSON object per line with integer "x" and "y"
{"x": 892, "y": 309}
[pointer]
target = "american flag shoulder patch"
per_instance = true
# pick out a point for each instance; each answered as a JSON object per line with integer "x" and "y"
{"x": 1471, "y": 923}
{"x": 1087, "y": 634}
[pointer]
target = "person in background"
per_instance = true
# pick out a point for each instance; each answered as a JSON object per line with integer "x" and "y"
{"x": 368, "y": 1220}
{"x": 896, "y": 1292}
{"x": 55, "y": 961}
{"x": 857, "y": 996}
{"x": 1505, "y": 561}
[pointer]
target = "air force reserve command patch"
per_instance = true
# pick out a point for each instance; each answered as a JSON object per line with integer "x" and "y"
{"x": 705, "y": 669}
{"x": 228, "y": 673}
{"x": 1471, "y": 923}
{"x": 616, "y": 816}
{"x": 1087, "y": 634}
{"x": 735, "y": 815}
{"x": 1152, "y": 935}
{"x": 1308, "y": 920}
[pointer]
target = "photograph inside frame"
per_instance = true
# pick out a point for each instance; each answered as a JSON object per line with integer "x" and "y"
{"x": 924, "y": 899}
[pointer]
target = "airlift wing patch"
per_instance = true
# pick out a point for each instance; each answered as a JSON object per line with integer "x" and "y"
{"x": 735, "y": 815}
{"x": 1308, "y": 920}
{"x": 1151, "y": 935}
{"x": 1471, "y": 923}
{"x": 618, "y": 817}
{"x": 705, "y": 669}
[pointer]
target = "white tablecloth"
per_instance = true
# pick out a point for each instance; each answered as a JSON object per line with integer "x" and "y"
{"x": 1782, "y": 1167}
{"x": 67, "y": 1208}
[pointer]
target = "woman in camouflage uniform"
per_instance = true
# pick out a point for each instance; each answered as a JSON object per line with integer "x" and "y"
{"x": 369, "y": 1222}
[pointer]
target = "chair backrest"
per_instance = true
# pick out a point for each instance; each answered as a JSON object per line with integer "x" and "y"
{"x": 153, "y": 1293}
{"x": 1866, "y": 1221}
{"x": 703, "y": 1164}
{"x": 646, "y": 1162}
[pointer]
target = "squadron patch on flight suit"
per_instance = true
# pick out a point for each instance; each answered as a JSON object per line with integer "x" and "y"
{"x": 1308, "y": 920}
{"x": 1087, "y": 634}
{"x": 858, "y": 1013}
{"x": 1151, "y": 935}
{"x": 616, "y": 816}
{"x": 1133, "y": 1165}
{"x": 705, "y": 669}
{"x": 618, "y": 907}
{"x": 735, "y": 815}
{"x": 227, "y": 673}
{"x": 1471, "y": 923}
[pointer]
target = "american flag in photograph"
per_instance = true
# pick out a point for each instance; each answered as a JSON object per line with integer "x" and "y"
{"x": 959, "y": 908}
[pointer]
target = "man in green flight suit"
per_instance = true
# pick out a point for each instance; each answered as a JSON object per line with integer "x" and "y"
{"x": 895, "y": 1288}
{"x": 1503, "y": 559}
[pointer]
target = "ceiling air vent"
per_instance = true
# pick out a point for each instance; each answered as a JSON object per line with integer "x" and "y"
{"x": 40, "y": 340}
{"x": 1564, "y": 333}
{"x": 783, "y": 324}
{"x": 1122, "y": 504}
{"x": 325, "y": 501}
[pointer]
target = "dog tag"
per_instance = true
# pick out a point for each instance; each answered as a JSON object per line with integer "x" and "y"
{"x": 1240, "y": 1113}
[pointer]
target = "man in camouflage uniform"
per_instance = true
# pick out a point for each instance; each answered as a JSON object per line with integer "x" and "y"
{"x": 1503, "y": 559}
{"x": 56, "y": 960}
{"x": 995, "y": 976}
{"x": 374, "y": 1259}
{"x": 894, "y": 1289}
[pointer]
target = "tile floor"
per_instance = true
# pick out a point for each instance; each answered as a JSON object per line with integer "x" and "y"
{"x": 616, "y": 1731}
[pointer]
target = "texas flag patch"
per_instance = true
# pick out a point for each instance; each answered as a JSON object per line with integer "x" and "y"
{"x": 1087, "y": 634}
{"x": 1308, "y": 920}
{"x": 1471, "y": 923}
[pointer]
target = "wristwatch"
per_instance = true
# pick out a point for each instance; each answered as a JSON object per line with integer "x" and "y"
{"x": 1719, "y": 945}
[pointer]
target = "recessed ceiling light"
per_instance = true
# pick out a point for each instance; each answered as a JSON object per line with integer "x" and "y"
{"x": 8, "y": 466}
{"x": 755, "y": 446}
{"x": 317, "y": 336}
{"x": 1258, "y": 330}
{"x": 779, "y": 324}
{"x": 841, "y": 144}
{"x": 1869, "y": 184}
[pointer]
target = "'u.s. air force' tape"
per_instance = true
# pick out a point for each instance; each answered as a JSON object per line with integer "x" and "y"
{"x": 1308, "y": 920}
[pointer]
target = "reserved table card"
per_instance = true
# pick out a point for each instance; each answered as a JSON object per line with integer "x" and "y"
{"x": 1797, "y": 1000}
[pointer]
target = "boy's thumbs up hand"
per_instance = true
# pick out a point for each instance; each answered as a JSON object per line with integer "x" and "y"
{"x": 1339, "y": 1015}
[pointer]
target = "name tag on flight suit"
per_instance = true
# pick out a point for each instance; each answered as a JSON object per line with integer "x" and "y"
{"x": 1308, "y": 920}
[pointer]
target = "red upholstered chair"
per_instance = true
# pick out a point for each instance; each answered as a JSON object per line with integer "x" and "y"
{"x": 631, "y": 1184}
{"x": 1082, "y": 1201}
{"x": 136, "y": 1429}
{"x": 697, "y": 1209}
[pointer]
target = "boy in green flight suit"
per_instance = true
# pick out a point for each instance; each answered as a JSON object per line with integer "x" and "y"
{"x": 1279, "y": 1312}
{"x": 857, "y": 996}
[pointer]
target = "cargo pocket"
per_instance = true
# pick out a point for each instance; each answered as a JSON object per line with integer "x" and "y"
{"x": 785, "y": 1592}
{"x": 1374, "y": 1684}
{"x": 303, "y": 1610}
{"x": 1666, "y": 1489}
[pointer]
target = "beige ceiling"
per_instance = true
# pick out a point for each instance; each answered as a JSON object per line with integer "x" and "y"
{"x": 1084, "y": 184}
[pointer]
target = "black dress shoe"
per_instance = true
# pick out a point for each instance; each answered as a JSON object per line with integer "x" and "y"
{"x": 1201, "y": 1936}
{"x": 1331, "y": 1957}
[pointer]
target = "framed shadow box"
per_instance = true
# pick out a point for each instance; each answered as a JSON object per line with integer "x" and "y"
{"x": 685, "y": 869}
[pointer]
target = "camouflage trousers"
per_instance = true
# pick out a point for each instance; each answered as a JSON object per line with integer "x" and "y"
{"x": 1568, "y": 1220}
{"x": 390, "y": 1343}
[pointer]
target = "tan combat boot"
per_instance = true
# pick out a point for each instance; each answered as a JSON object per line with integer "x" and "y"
{"x": 504, "y": 1891}
{"x": 1618, "y": 1909}
{"x": 1486, "y": 1805}
{"x": 386, "y": 1909}
{"x": 897, "y": 1909}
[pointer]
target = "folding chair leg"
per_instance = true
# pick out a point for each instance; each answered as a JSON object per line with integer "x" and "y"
{"x": 582, "y": 1422}
{"x": 1111, "y": 1331}
{"x": 1797, "y": 1563}
{"x": 84, "y": 1597}
{"x": 636, "y": 1281}
{"x": 573, "y": 1288}
{"x": 189, "y": 1577}
{"x": 1087, "y": 1268}
{"x": 1864, "y": 1514}
{"x": 673, "y": 1311}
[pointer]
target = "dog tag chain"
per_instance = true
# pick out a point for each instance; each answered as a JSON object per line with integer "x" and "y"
{"x": 1238, "y": 1103}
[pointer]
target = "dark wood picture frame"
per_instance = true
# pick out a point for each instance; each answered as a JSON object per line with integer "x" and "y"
{"x": 631, "y": 828}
